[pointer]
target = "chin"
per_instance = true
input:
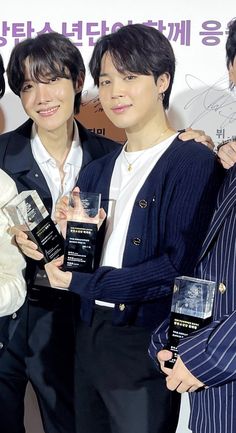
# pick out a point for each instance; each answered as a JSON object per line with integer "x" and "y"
{"x": 120, "y": 124}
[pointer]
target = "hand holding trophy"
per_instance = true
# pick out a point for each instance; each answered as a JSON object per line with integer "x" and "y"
{"x": 27, "y": 212}
{"x": 191, "y": 309}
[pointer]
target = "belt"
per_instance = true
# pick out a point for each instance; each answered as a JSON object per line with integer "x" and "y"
{"x": 48, "y": 297}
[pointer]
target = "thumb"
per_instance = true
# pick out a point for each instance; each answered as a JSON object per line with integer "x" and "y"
{"x": 164, "y": 355}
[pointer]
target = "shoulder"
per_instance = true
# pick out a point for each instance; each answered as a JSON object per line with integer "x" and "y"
{"x": 7, "y": 188}
{"x": 98, "y": 169}
{"x": 191, "y": 150}
{"x": 190, "y": 155}
{"x": 98, "y": 165}
{"x": 24, "y": 129}
{"x": 97, "y": 144}
{"x": 22, "y": 132}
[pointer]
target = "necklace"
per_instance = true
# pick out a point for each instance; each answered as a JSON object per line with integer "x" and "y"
{"x": 130, "y": 164}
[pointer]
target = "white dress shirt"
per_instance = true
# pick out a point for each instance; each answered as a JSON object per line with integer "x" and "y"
{"x": 50, "y": 170}
{"x": 49, "y": 167}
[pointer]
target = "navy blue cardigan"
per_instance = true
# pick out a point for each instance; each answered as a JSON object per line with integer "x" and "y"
{"x": 168, "y": 223}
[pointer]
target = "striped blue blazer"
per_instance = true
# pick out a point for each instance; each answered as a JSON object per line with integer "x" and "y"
{"x": 210, "y": 354}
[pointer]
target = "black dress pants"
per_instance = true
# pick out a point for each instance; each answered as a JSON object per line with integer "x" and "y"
{"x": 42, "y": 352}
{"x": 118, "y": 388}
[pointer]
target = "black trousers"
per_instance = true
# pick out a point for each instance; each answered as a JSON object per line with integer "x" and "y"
{"x": 118, "y": 388}
{"x": 42, "y": 352}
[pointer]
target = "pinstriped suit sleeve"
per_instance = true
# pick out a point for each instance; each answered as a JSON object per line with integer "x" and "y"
{"x": 159, "y": 340}
{"x": 210, "y": 353}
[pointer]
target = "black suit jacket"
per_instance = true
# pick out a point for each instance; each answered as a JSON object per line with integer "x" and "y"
{"x": 17, "y": 160}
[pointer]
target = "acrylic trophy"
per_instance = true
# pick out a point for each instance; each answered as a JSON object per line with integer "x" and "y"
{"x": 191, "y": 309}
{"x": 81, "y": 232}
{"x": 28, "y": 212}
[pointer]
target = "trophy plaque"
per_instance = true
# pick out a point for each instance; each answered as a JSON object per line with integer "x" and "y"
{"x": 81, "y": 232}
{"x": 28, "y": 213}
{"x": 191, "y": 309}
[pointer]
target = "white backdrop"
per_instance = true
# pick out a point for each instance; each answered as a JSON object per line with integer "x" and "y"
{"x": 200, "y": 96}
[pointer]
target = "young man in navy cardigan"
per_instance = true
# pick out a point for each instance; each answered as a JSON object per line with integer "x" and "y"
{"x": 158, "y": 193}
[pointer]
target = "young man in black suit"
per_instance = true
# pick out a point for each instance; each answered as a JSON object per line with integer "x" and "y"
{"x": 46, "y": 153}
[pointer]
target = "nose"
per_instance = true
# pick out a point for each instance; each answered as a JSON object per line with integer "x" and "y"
{"x": 43, "y": 93}
{"x": 117, "y": 89}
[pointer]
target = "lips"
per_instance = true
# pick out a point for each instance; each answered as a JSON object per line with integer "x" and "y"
{"x": 119, "y": 109}
{"x": 45, "y": 112}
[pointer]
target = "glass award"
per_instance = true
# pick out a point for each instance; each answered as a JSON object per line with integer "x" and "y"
{"x": 28, "y": 213}
{"x": 81, "y": 231}
{"x": 191, "y": 309}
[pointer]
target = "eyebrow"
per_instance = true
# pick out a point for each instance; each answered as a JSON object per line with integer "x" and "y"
{"x": 103, "y": 74}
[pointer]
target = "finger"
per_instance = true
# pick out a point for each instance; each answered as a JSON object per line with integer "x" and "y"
{"x": 206, "y": 140}
{"x": 15, "y": 231}
{"x": 172, "y": 383}
{"x": 60, "y": 215}
{"x": 62, "y": 203}
{"x": 192, "y": 134}
{"x": 193, "y": 388}
{"x": 227, "y": 155}
{"x": 102, "y": 214}
{"x": 36, "y": 255}
{"x": 164, "y": 355}
{"x": 62, "y": 206}
{"x": 22, "y": 242}
{"x": 56, "y": 262}
{"x": 226, "y": 161}
{"x": 181, "y": 388}
{"x": 29, "y": 248}
{"x": 165, "y": 370}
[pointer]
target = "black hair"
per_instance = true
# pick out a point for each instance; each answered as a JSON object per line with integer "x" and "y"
{"x": 49, "y": 54}
{"x": 231, "y": 43}
{"x": 136, "y": 48}
{"x": 2, "y": 80}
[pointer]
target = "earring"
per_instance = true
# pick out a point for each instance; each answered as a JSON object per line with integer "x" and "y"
{"x": 231, "y": 85}
{"x": 162, "y": 96}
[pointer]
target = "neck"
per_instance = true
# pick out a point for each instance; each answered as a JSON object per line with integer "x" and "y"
{"x": 150, "y": 133}
{"x": 57, "y": 142}
{"x": 142, "y": 142}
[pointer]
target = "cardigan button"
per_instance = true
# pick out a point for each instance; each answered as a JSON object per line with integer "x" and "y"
{"x": 143, "y": 203}
{"x": 222, "y": 288}
{"x": 136, "y": 241}
{"x": 121, "y": 307}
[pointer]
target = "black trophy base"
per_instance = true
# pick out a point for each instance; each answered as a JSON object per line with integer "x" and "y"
{"x": 80, "y": 246}
{"x": 181, "y": 326}
{"x": 49, "y": 240}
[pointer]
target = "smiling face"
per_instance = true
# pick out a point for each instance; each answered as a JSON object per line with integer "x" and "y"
{"x": 50, "y": 104}
{"x": 130, "y": 100}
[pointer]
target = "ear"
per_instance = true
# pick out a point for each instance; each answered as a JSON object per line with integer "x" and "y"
{"x": 163, "y": 82}
{"x": 79, "y": 83}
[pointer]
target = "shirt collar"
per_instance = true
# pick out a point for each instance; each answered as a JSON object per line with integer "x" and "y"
{"x": 41, "y": 154}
